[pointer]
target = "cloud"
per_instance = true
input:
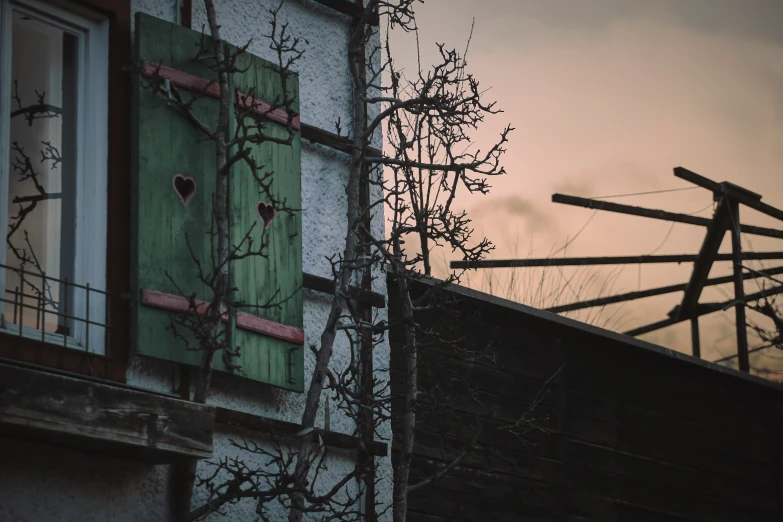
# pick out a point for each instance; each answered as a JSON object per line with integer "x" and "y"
{"x": 532, "y": 216}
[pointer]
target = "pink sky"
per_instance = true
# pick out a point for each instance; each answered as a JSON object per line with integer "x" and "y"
{"x": 606, "y": 100}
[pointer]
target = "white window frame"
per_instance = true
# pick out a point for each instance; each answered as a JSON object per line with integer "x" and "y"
{"x": 91, "y": 159}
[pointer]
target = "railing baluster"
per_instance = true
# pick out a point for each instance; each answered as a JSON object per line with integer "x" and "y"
{"x": 107, "y": 326}
{"x": 16, "y": 303}
{"x": 21, "y": 299}
{"x": 37, "y": 310}
{"x": 87, "y": 321}
{"x": 65, "y": 312}
{"x": 43, "y": 307}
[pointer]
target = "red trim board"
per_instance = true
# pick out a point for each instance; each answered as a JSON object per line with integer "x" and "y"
{"x": 252, "y": 323}
{"x": 182, "y": 79}
{"x": 197, "y": 84}
{"x": 264, "y": 109}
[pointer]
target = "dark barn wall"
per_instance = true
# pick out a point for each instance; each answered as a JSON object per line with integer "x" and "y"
{"x": 630, "y": 432}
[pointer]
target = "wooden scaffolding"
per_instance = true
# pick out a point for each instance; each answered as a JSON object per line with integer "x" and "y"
{"x": 726, "y": 218}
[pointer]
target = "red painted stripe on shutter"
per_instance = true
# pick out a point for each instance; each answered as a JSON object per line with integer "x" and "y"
{"x": 281, "y": 331}
{"x": 178, "y": 303}
{"x": 173, "y": 303}
{"x": 265, "y": 110}
{"x": 197, "y": 84}
{"x": 182, "y": 79}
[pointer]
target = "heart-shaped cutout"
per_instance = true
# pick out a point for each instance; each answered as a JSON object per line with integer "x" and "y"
{"x": 267, "y": 213}
{"x": 185, "y": 187}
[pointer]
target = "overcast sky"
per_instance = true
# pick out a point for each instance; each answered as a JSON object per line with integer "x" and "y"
{"x": 607, "y": 96}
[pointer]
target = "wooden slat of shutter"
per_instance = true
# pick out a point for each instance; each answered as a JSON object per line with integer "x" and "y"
{"x": 166, "y": 144}
{"x": 258, "y": 279}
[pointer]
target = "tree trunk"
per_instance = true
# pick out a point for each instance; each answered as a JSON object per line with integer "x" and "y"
{"x": 408, "y": 424}
{"x": 425, "y": 250}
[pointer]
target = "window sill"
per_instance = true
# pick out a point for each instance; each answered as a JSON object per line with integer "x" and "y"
{"x": 34, "y": 334}
{"x": 101, "y": 417}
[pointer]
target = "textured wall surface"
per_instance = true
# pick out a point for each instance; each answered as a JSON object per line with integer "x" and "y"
{"x": 72, "y": 486}
{"x": 40, "y": 484}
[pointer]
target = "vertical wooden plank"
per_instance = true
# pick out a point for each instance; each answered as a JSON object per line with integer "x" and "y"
{"x": 739, "y": 291}
{"x": 166, "y": 145}
{"x": 278, "y": 276}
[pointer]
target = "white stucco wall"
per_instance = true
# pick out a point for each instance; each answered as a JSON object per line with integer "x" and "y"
{"x": 65, "y": 485}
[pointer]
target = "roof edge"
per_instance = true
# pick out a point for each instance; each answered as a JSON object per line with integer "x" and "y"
{"x": 595, "y": 330}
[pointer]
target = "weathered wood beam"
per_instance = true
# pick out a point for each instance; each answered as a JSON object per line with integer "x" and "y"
{"x": 707, "y": 256}
{"x": 768, "y": 210}
{"x": 630, "y": 296}
{"x": 743, "y": 195}
{"x": 349, "y": 8}
{"x": 326, "y": 286}
{"x": 698, "y": 179}
{"x": 617, "y": 260}
{"x": 702, "y": 309}
{"x": 629, "y": 209}
{"x": 102, "y": 417}
{"x": 289, "y": 429}
{"x": 656, "y": 214}
{"x": 333, "y": 141}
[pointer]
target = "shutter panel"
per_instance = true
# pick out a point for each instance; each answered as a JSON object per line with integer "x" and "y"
{"x": 169, "y": 154}
{"x": 258, "y": 279}
{"x": 167, "y": 145}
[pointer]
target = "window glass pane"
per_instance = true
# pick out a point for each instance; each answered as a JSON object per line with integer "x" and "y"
{"x": 41, "y": 186}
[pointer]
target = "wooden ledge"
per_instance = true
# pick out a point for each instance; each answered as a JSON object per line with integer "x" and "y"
{"x": 116, "y": 420}
{"x": 289, "y": 429}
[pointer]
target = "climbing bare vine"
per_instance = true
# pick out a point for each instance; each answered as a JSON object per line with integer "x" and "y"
{"x": 402, "y": 197}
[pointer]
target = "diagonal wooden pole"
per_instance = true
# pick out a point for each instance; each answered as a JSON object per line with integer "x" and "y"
{"x": 611, "y": 260}
{"x": 630, "y": 296}
{"x": 656, "y": 214}
{"x": 702, "y": 309}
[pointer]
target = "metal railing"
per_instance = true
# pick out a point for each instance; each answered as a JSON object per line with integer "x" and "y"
{"x": 27, "y": 298}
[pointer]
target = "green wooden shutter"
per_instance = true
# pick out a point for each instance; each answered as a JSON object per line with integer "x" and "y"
{"x": 167, "y": 145}
{"x": 257, "y": 279}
